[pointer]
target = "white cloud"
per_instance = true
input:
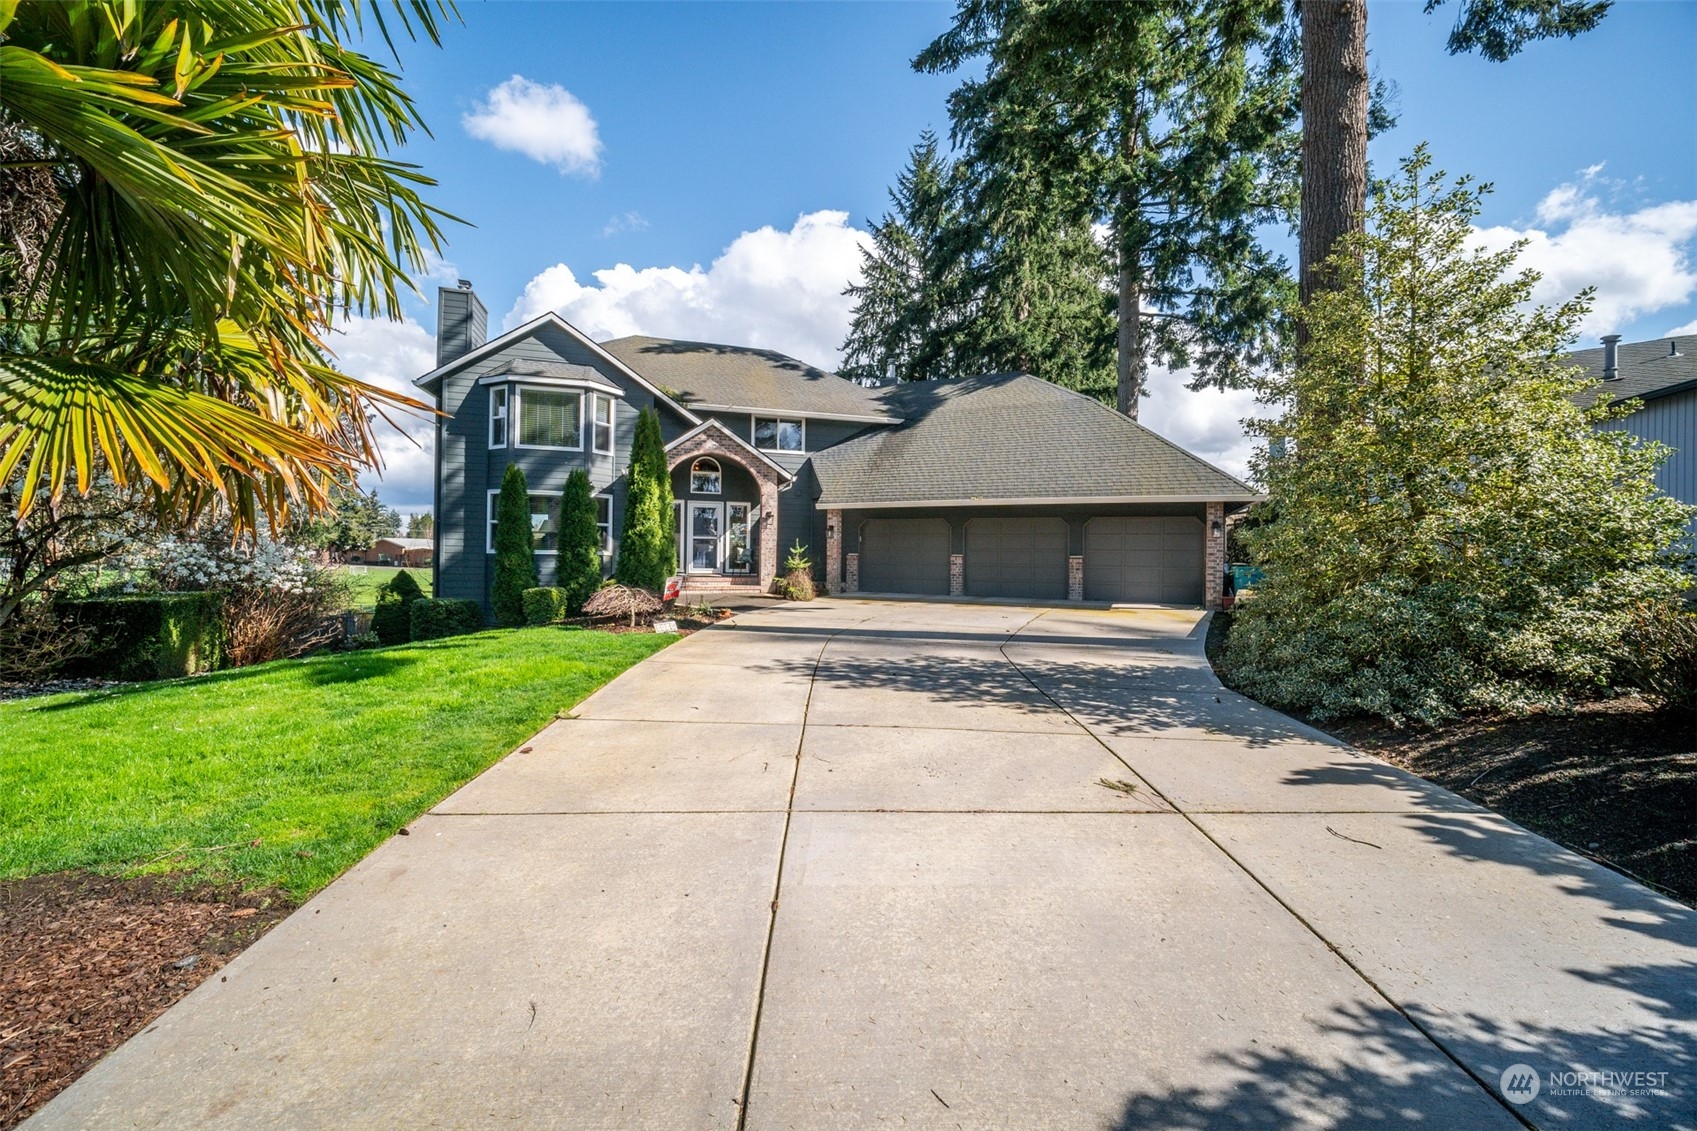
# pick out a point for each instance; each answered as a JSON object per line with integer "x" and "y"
{"x": 631, "y": 221}
{"x": 1681, "y": 331}
{"x": 389, "y": 355}
{"x": 543, "y": 121}
{"x": 1208, "y": 423}
{"x": 1639, "y": 261}
{"x": 774, "y": 289}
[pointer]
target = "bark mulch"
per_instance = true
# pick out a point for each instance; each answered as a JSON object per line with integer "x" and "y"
{"x": 88, "y": 961}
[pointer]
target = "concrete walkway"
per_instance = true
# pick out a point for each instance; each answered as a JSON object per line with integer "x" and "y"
{"x": 860, "y": 863}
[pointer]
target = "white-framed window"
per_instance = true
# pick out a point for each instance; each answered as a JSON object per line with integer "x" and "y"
{"x": 604, "y": 425}
{"x": 498, "y": 417}
{"x": 774, "y": 434}
{"x": 705, "y": 477}
{"x": 550, "y": 418}
{"x": 604, "y": 520}
{"x": 544, "y": 521}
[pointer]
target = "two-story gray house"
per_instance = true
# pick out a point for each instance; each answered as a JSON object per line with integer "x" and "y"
{"x": 1662, "y": 376}
{"x": 996, "y": 486}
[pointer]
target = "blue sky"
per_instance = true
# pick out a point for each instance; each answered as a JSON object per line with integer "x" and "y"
{"x": 708, "y": 170}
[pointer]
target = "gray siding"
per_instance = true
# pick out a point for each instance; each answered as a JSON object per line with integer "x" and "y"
{"x": 1672, "y": 421}
{"x": 468, "y": 469}
{"x": 462, "y": 323}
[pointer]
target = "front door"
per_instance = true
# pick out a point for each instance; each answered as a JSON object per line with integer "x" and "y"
{"x": 706, "y": 524}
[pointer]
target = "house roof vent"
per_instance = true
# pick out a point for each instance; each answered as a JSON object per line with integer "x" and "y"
{"x": 1673, "y": 348}
{"x": 1611, "y": 357}
{"x": 465, "y": 284}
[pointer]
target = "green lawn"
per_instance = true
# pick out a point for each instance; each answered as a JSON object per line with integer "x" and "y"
{"x": 364, "y": 581}
{"x": 316, "y": 760}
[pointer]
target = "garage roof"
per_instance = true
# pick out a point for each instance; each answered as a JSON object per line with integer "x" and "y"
{"x": 1011, "y": 438}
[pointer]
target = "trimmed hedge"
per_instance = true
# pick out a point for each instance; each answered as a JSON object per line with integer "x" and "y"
{"x": 435, "y": 618}
{"x": 546, "y": 605}
{"x": 152, "y": 636}
{"x": 391, "y": 620}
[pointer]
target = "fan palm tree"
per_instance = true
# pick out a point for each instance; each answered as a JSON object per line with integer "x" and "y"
{"x": 193, "y": 190}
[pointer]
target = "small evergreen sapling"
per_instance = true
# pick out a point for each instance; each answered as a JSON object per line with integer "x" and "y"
{"x": 515, "y": 559}
{"x": 579, "y": 562}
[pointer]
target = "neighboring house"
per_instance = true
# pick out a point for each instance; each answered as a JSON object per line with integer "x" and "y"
{"x": 996, "y": 486}
{"x": 410, "y": 552}
{"x": 1663, "y": 375}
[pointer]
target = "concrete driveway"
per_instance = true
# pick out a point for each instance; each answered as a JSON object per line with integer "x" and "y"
{"x": 857, "y": 864}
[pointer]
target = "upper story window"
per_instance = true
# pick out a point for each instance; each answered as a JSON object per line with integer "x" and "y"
{"x": 704, "y": 477}
{"x": 497, "y": 418}
{"x": 604, "y": 425}
{"x": 550, "y": 418}
{"x": 772, "y": 434}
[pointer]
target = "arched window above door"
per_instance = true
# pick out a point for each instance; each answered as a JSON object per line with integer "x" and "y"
{"x": 705, "y": 478}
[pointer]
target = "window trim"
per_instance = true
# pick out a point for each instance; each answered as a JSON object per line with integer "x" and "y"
{"x": 718, "y": 470}
{"x": 504, "y": 394}
{"x": 516, "y": 413}
{"x": 595, "y": 425}
{"x": 489, "y": 518}
{"x": 607, "y": 527}
{"x": 754, "y": 436}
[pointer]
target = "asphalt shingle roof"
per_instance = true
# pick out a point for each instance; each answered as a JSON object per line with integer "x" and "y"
{"x": 1647, "y": 369}
{"x": 1011, "y": 436}
{"x": 705, "y": 375}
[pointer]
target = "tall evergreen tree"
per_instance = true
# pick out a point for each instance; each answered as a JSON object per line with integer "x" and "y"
{"x": 515, "y": 553}
{"x": 1336, "y": 114}
{"x": 648, "y": 541}
{"x": 1171, "y": 123}
{"x": 908, "y": 302}
{"x": 579, "y": 560}
{"x": 421, "y": 525}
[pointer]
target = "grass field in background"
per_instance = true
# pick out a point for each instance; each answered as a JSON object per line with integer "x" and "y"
{"x": 281, "y": 774}
{"x": 364, "y": 581}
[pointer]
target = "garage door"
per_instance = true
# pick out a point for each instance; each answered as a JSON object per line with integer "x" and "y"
{"x": 1143, "y": 560}
{"x": 904, "y": 555}
{"x": 1017, "y": 557}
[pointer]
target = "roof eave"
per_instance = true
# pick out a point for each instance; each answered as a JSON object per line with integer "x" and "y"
{"x": 1036, "y": 501}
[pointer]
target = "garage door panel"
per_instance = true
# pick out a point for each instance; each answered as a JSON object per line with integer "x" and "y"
{"x": 1151, "y": 560}
{"x": 1017, "y": 557}
{"x": 905, "y": 555}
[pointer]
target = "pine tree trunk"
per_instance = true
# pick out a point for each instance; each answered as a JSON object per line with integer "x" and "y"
{"x": 1334, "y": 131}
{"x": 1130, "y": 340}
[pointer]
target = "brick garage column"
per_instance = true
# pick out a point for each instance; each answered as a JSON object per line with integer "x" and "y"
{"x": 768, "y": 532}
{"x": 851, "y": 578}
{"x": 957, "y": 575}
{"x": 1214, "y": 561}
{"x": 1075, "y": 577}
{"x": 833, "y": 551}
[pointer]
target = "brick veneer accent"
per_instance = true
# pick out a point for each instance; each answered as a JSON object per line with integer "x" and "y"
{"x": 833, "y": 551}
{"x": 1075, "y": 577}
{"x": 851, "y": 581}
{"x": 957, "y": 575}
{"x": 1214, "y": 581}
{"x": 712, "y": 442}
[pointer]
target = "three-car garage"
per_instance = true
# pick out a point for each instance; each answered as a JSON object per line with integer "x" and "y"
{"x": 1131, "y": 559}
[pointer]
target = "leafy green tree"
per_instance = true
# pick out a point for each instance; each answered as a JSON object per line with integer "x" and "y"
{"x": 352, "y": 520}
{"x": 648, "y": 541}
{"x": 580, "y": 542}
{"x": 1171, "y": 124}
{"x": 515, "y": 548}
{"x": 220, "y": 191}
{"x": 1453, "y": 530}
{"x": 909, "y": 302}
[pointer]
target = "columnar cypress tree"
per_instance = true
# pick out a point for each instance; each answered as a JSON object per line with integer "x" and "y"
{"x": 515, "y": 559}
{"x": 647, "y": 553}
{"x": 580, "y": 542}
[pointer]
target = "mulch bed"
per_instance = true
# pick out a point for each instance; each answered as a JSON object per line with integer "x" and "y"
{"x": 88, "y": 961}
{"x": 1615, "y": 780}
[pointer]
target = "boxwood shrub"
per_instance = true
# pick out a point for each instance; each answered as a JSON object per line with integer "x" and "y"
{"x": 546, "y": 605}
{"x": 153, "y": 636}
{"x": 391, "y": 620}
{"x": 445, "y": 616}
